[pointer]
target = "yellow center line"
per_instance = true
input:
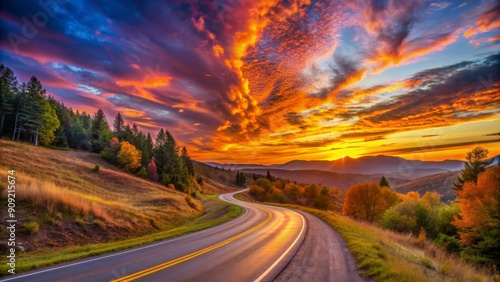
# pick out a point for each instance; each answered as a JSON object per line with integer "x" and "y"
{"x": 173, "y": 262}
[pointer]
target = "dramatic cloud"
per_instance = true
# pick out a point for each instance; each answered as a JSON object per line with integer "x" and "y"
{"x": 266, "y": 80}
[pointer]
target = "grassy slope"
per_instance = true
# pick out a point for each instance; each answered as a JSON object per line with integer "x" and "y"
{"x": 75, "y": 206}
{"x": 215, "y": 180}
{"x": 388, "y": 256}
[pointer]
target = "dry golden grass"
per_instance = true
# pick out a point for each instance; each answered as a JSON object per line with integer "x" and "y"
{"x": 63, "y": 181}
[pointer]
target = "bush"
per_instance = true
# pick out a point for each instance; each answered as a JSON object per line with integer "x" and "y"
{"x": 193, "y": 194}
{"x": 142, "y": 173}
{"x": 31, "y": 228}
{"x": 450, "y": 243}
{"x": 96, "y": 168}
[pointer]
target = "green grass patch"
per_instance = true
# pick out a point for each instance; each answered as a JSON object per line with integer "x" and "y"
{"x": 45, "y": 257}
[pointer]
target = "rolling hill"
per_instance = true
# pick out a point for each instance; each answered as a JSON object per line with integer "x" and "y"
{"x": 332, "y": 179}
{"x": 395, "y": 167}
{"x": 441, "y": 183}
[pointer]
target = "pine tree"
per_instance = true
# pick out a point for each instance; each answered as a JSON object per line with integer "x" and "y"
{"x": 8, "y": 88}
{"x": 99, "y": 132}
{"x": 384, "y": 182}
{"x": 147, "y": 150}
{"x": 171, "y": 169}
{"x": 36, "y": 106}
{"x": 188, "y": 163}
{"x": 476, "y": 163}
{"x": 269, "y": 176}
{"x": 118, "y": 126}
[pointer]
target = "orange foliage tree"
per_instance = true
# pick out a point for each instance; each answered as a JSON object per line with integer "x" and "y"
{"x": 129, "y": 157}
{"x": 367, "y": 201}
{"x": 479, "y": 221}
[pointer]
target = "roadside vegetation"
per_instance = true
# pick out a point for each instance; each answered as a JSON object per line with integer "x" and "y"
{"x": 424, "y": 239}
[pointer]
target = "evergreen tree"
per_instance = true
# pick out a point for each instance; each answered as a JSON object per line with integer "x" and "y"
{"x": 79, "y": 137}
{"x": 8, "y": 88}
{"x": 384, "y": 182}
{"x": 119, "y": 126}
{"x": 241, "y": 180}
{"x": 269, "y": 176}
{"x": 36, "y": 106}
{"x": 237, "y": 182}
{"x": 188, "y": 163}
{"x": 147, "y": 150}
{"x": 171, "y": 169}
{"x": 99, "y": 132}
{"x": 476, "y": 163}
{"x": 127, "y": 134}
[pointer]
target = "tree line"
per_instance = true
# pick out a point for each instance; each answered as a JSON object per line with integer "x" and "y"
{"x": 28, "y": 114}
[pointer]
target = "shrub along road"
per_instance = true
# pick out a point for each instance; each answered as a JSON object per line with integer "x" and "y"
{"x": 257, "y": 246}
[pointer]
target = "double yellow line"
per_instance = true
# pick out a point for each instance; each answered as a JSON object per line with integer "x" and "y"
{"x": 173, "y": 262}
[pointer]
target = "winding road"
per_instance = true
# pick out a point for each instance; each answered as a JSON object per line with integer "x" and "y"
{"x": 263, "y": 244}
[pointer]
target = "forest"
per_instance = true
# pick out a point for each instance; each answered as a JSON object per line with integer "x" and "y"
{"x": 27, "y": 114}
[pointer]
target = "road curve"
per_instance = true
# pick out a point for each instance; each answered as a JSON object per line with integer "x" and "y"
{"x": 253, "y": 247}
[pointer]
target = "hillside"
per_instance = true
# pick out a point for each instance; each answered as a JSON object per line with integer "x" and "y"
{"x": 441, "y": 183}
{"x": 332, "y": 179}
{"x": 69, "y": 204}
{"x": 215, "y": 181}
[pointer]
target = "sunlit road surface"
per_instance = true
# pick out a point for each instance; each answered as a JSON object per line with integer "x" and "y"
{"x": 253, "y": 247}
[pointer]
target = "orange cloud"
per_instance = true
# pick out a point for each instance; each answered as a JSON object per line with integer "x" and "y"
{"x": 132, "y": 113}
{"x": 218, "y": 50}
{"x": 149, "y": 82}
{"x": 486, "y": 22}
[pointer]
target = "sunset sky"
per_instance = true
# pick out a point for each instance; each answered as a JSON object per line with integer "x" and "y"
{"x": 272, "y": 81}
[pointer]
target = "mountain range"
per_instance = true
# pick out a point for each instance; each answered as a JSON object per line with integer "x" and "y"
{"x": 395, "y": 167}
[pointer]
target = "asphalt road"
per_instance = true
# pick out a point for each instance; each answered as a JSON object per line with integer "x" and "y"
{"x": 254, "y": 247}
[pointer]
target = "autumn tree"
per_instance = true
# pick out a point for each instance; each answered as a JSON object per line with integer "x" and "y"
{"x": 50, "y": 123}
{"x": 367, "y": 201}
{"x": 475, "y": 164}
{"x": 322, "y": 201}
{"x": 152, "y": 170}
{"x": 479, "y": 221}
{"x": 129, "y": 157}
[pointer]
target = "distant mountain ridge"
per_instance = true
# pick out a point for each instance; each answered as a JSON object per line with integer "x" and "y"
{"x": 396, "y": 167}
